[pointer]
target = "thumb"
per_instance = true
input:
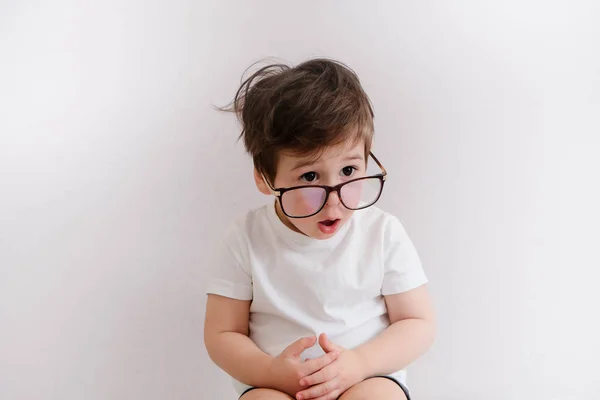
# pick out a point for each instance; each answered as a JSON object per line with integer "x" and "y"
{"x": 298, "y": 347}
{"x": 327, "y": 345}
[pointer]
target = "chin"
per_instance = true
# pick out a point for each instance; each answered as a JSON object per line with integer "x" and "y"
{"x": 323, "y": 236}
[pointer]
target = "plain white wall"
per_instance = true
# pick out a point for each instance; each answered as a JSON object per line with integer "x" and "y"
{"x": 116, "y": 181}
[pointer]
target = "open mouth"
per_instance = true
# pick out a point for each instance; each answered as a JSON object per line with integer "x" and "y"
{"x": 329, "y": 226}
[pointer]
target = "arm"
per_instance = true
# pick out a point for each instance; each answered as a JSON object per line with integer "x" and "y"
{"x": 411, "y": 327}
{"x": 410, "y": 334}
{"x": 408, "y": 304}
{"x": 227, "y": 342}
{"x": 226, "y": 329}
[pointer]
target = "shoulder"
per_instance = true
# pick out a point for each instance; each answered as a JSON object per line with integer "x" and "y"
{"x": 244, "y": 227}
{"x": 375, "y": 220}
{"x": 380, "y": 228}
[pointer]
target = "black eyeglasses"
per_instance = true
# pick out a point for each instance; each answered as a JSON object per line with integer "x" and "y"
{"x": 308, "y": 200}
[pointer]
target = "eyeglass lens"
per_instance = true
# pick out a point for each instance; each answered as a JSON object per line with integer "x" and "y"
{"x": 355, "y": 195}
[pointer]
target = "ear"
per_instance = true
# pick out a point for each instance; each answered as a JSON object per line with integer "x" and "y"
{"x": 261, "y": 185}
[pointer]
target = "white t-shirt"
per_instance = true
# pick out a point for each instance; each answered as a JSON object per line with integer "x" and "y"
{"x": 301, "y": 286}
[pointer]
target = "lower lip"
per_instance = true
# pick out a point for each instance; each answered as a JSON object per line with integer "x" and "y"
{"x": 329, "y": 229}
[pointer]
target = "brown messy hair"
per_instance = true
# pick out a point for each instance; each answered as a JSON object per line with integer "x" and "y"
{"x": 301, "y": 110}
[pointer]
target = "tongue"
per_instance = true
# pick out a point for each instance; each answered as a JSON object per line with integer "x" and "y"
{"x": 328, "y": 222}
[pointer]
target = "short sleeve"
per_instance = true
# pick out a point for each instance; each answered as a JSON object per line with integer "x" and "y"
{"x": 231, "y": 277}
{"x": 402, "y": 267}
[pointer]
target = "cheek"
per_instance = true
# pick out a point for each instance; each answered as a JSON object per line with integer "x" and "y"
{"x": 304, "y": 224}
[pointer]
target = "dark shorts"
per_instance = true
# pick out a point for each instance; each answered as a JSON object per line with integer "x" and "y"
{"x": 404, "y": 388}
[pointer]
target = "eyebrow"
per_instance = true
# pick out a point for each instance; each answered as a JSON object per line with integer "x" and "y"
{"x": 304, "y": 163}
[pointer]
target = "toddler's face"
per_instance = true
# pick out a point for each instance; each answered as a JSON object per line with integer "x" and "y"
{"x": 336, "y": 165}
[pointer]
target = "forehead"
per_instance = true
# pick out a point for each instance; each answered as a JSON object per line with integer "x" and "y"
{"x": 328, "y": 155}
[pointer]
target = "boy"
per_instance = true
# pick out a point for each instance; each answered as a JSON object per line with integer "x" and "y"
{"x": 310, "y": 299}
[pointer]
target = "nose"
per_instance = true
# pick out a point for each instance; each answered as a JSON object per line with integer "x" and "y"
{"x": 333, "y": 199}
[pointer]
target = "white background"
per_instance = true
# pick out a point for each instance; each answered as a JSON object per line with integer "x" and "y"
{"x": 117, "y": 178}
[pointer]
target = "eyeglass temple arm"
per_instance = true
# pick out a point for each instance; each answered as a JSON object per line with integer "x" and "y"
{"x": 379, "y": 165}
{"x": 273, "y": 190}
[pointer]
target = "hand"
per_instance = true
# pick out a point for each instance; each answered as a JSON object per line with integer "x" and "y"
{"x": 334, "y": 379}
{"x": 288, "y": 368}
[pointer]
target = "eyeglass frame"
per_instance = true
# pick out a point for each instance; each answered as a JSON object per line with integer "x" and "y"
{"x": 278, "y": 192}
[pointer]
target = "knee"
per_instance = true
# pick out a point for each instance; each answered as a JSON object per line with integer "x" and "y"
{"x": 265, "y": 394}
{"x": 375, "y": 388}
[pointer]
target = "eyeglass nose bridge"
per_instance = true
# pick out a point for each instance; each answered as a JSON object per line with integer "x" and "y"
{"x": 336, "y": 189}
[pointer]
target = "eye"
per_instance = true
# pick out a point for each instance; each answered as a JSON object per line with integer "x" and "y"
{"x": 348, "y": 171}
{"x": 309, "y": 176}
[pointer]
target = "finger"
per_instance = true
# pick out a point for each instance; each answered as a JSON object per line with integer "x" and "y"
{"x": 314, "y": 365}
{"x": 327, "y": 345}
{"x": 317, "y": 391}
{"x": 322, "y": 375}
{"x": 296, "y": 348}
